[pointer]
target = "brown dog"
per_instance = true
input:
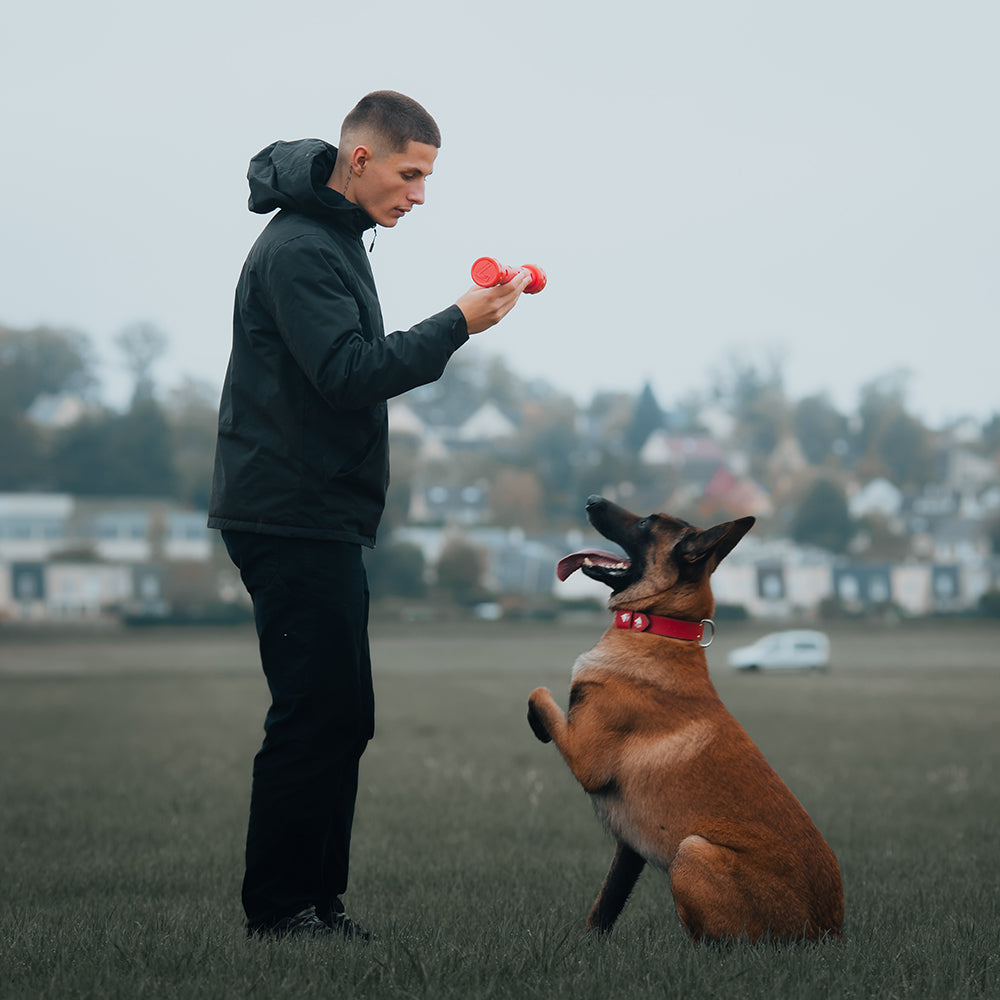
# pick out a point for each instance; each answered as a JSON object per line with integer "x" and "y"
{"x": 674, "y": 777}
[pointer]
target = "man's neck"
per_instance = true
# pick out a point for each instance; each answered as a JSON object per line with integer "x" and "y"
{"x": 340, "y": 180}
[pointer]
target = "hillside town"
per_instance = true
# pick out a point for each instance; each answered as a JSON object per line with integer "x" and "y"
{"x": 102, "y": 514}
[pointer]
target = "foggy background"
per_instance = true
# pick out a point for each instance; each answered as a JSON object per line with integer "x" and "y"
{"x": 812, "y": 182}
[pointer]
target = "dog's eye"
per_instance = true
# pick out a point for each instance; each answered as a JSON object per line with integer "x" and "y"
{"x": 645, "y": 523}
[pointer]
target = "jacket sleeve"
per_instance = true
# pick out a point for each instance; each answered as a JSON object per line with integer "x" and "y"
{"x": 350, "y": 363}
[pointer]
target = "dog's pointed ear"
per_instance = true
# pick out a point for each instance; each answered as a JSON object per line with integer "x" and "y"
{"x": 715, "y": 542}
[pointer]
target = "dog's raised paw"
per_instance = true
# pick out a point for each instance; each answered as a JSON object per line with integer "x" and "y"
{"x": 537, "y": 726}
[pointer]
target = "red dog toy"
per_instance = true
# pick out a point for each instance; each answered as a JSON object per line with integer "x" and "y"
{"x": 486, "y": 272}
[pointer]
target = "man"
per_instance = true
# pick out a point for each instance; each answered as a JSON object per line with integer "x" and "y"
{"x": 301, "y": 471}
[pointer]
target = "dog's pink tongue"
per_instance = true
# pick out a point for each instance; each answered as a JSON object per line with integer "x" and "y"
{"x": 591, "y": 557}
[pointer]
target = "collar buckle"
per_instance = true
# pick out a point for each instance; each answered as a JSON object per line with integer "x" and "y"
{"x": 707, "y": 623}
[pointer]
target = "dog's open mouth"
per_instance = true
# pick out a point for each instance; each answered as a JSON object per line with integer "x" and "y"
{"x": 602, "y": 566}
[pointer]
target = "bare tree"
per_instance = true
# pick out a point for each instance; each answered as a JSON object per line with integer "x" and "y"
{"x": 142, "y": 344}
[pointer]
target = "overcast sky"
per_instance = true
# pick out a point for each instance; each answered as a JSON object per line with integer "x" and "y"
{"x": 813, "y": 180}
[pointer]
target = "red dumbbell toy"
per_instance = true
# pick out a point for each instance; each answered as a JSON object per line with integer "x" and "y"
{"x": 486, "y": 272}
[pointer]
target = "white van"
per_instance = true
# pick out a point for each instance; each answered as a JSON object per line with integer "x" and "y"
{"x": 795, "y": 649}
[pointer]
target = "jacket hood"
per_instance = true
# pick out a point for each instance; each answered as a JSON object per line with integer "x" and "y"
{"x": 293, "y": 176}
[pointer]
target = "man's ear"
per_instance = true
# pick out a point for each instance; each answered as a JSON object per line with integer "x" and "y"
{"x": 715, "y": 542}
{"x": 359, "y": 159}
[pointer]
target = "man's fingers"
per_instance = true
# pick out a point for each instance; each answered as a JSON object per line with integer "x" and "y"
{"x": 485, "y": 307}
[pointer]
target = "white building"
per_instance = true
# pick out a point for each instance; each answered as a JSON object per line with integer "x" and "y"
{"x": 70, "y": 558}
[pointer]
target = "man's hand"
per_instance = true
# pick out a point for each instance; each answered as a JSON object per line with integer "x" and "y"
{"x": 485, "y": 307}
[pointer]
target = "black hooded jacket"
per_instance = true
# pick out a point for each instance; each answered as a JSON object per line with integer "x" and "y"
{"x": 303, "y": 433}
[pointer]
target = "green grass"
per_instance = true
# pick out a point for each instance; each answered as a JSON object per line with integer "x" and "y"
{"x": 123, "y": 797}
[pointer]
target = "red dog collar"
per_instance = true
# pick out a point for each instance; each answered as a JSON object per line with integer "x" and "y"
{"x": 671, "y": 628}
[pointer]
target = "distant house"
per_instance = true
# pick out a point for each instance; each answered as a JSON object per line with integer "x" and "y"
{"x": 720, "y": 424}
{"x": 441, "y": 504}
{"x": 878, "y": 498}
{"x": 487, "y": 424}
{"x": 727, "y": 495}
{"x": 968, "y": 471}
{"x": 665, "y": 448}
{"x": 787, "y": 459}
{"x": 404, "y": 421}
{"x": 946, "y": 527}
{"x": 406, "y": 424}
{"x": 73, "y": 558}
{"x": 957, "y": 540}
{"x": 697, "y": 457}
{"x": 33, "y": 525}
{"x": 774, "y": 578}
{"x": 75, "y": 591}
{"x": 440, "y": 430}
{"x": 139, "y": 530}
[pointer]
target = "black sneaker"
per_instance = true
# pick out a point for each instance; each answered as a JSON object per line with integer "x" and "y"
{"x": 340, "y": 923}
{"x": 305, "y": 923}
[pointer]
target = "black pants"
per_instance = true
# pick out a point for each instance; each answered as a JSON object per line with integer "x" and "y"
{"x": 310, "y": 602}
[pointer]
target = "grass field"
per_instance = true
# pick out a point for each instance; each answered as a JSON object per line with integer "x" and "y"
{"x": 123, "y": 797}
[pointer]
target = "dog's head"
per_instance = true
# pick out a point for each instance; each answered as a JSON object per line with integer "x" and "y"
{"x": 668, "y": 561}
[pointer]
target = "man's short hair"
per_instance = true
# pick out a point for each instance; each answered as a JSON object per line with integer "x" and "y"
{"x": 394, "y": 118}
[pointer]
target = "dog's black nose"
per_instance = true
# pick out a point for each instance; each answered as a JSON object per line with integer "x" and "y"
{"x": 594, "y": 501}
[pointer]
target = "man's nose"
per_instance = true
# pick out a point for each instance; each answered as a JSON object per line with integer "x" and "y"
{"x": 416, "y": 194}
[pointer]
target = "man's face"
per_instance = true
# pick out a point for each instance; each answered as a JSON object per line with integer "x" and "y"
{"x": 388, "y": 187}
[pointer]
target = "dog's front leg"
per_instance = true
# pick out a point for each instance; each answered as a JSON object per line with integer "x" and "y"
{"x": 550, "y": 724}
{"x": 625, "y": 870}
